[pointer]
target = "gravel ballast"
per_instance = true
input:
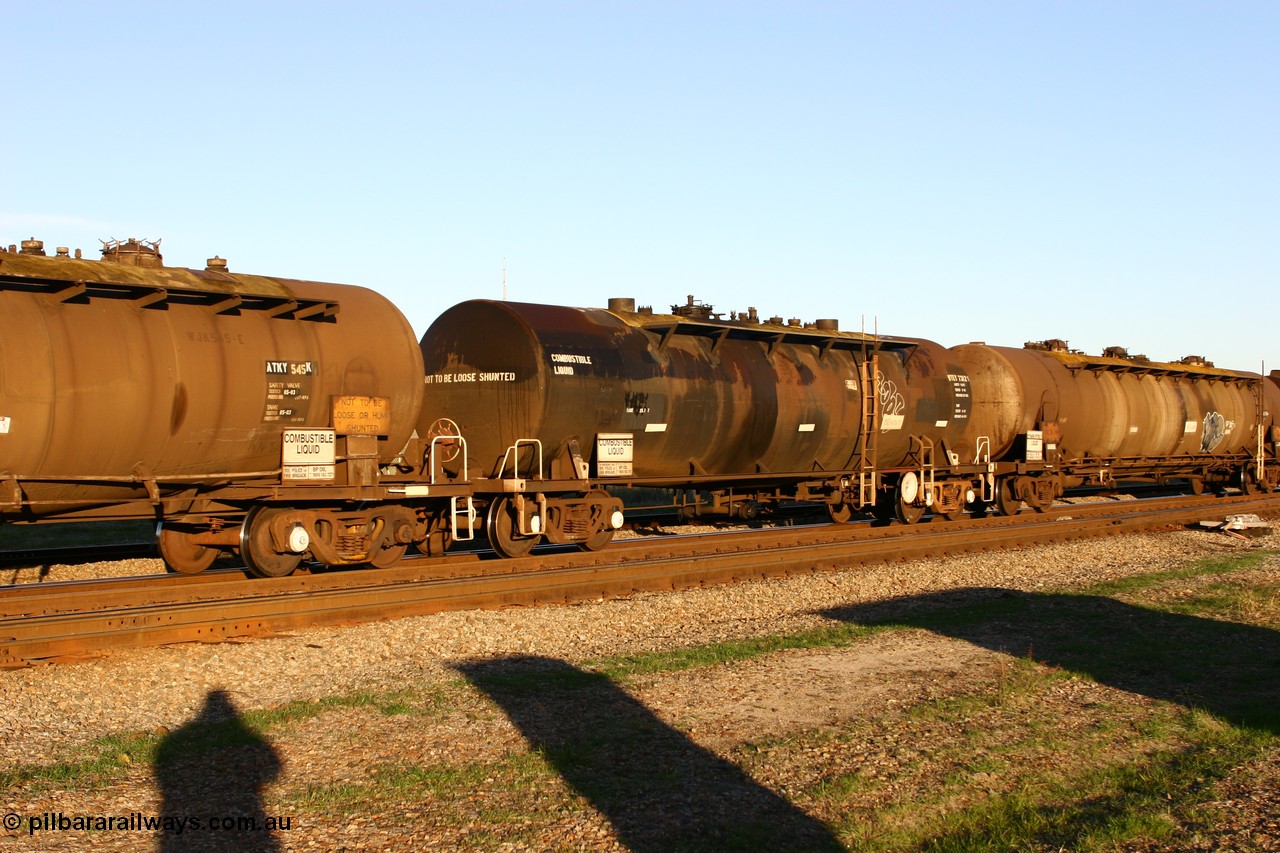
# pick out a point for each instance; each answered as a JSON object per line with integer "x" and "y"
{"x": 48, "y": 712}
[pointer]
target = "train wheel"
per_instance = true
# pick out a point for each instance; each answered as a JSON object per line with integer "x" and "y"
{"x": 1196, "y": 485}
{"x": 904, "y": 497}
{"x": 180, "y": 554}
{"x": 597, "y": 540}
{"x": 1248, "y": 484}
{"x": 1007, "y": 503}
{"x": 256, "y": 549}
{"x": 840, "y": 513}
{"x": 503, "y": 531}
{"x": 385, "y": 558}
{"x": 906, "y": 513}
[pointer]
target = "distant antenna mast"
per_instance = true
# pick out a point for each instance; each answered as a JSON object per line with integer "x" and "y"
{"x": 504, "y": 279}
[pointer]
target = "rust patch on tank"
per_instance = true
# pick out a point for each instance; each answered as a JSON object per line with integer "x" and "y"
{"x": 178, "y": 413}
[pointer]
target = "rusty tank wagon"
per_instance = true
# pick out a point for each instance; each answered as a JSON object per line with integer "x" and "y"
{"x": 135, "y": 390}
{"x": 1058, "y": 419}
{"x": 284, "y": 420}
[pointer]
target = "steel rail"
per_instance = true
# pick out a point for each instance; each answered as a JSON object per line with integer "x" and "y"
{"x": 247, "y": 608}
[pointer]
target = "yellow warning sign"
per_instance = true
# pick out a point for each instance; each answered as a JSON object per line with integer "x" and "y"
{"x": 362, "y": 415}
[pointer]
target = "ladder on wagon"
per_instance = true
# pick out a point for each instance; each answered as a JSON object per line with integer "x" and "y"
{"x": 1260, "y": 457}
{"x": 868, "y": 432}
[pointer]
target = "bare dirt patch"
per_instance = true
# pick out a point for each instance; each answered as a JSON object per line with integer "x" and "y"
{"x": 783, "y": 693}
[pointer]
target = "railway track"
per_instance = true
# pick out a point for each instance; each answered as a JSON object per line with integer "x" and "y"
{"x": 73, "y": 619}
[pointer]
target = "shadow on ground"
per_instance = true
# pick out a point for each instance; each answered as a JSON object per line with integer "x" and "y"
{"x": 660, "y": 790}
{"x": 211, "y": 773}
{"x": 1228, "y": 669}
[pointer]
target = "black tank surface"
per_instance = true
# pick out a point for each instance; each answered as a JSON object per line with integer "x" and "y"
{"x": 670, "y": 398}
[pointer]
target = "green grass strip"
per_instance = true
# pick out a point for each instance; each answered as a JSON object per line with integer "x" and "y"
{"x": 1113, "y": 805}
{"x": 111, "y": 756}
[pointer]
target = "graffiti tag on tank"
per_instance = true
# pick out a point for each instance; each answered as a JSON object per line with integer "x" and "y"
{"x": 642, "y": 410}
{"x": 892, "y": 406}
{"x": 637, "y": 404}
{"x": 1213, "y": 430}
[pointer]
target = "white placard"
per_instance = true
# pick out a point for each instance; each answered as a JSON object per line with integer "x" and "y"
{"x": 1035, "y": 445}
{"x": 614, "y": 451}
{"x": 307, "y": 454}
{"x": 614, "y": 447}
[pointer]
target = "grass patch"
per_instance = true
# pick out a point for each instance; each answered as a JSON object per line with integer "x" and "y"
{"x": 994, "y": 782}
{"x": 1232, "y": 600}
{"x": 1128, "y": 769}
{"x": 1199, "y": 568}
{"x": 519, "y": 790}
{"x": 396, "y": 782}
{"x": 1117, "y": 803}
{"x": 107, "y": 758}
{"x": 620, "y": 669}
{"x": 694, "y": 657}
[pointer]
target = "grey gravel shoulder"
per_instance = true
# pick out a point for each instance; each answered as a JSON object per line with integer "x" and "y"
{"x": 45, "y": 711}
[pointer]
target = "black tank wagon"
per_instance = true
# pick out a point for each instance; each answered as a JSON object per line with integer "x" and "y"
{"x": 751, "y": 411}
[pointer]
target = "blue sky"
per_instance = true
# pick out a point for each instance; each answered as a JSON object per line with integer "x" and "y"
{"x": 1103, "y": 172}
